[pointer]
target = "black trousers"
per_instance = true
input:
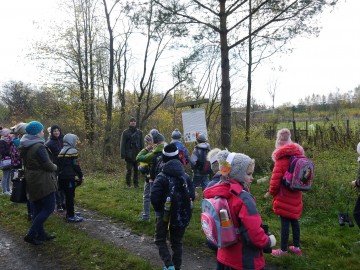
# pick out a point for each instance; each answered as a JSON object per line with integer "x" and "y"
{"x": 67, "y": 185}
{"x": 357, "y": 211}
{"x": 132, "y": 166}
{"x": 176, "y": 238}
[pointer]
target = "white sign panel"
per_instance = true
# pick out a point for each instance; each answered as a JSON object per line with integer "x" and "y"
{"x": 193, "y": 123}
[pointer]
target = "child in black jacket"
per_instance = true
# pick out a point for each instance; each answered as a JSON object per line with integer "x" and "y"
{"x": 68, "y": 169}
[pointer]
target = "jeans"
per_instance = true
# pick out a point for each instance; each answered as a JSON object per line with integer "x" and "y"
{"x": 285, "y": 224}
{"x": 5, "y": 182}
{"x": 176, "y": 237}
{"x": 357, "y": 211}
{"x": 132, "y": 165}
{"x": 67, "y": 185}
{"x": 146, "y": 200}
{"x": 42, "y": 209}
{"x": 201, "y": 180}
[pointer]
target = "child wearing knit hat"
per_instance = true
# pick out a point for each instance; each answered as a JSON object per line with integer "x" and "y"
{"x": 289, "y": 213}
{"x": 236, "y": 171}
{"x": 183, "y": 152}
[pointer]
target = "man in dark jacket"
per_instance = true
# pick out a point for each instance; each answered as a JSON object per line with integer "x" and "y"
{"x": 131, "y": 143}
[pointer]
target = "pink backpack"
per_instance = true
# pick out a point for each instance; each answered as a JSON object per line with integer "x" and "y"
{"x": 217, "y": 224}
{"x": 300, "y": 174}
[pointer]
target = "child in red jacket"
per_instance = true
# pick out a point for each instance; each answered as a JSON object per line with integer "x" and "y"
{"x": 247, "y": 253}
{"x": 286, "y": 203}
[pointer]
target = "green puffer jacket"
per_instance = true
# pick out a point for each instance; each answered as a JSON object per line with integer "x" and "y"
{"x": 148, "y": 156}
{"x": 39, "y": 171}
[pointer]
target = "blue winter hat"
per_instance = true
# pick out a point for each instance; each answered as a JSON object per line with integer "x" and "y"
{"x": 34, "y": 127}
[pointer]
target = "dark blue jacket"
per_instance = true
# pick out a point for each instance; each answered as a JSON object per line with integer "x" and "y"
{"x": 160, "y": 188}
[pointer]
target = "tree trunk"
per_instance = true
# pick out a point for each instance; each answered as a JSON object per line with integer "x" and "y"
{"x": 225, "y": 75}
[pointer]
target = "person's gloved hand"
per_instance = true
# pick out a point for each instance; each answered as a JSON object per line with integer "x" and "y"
{"x": 267, "y": 195}
{"x": 78, "y": 182}
{"x": 272, "y": 240}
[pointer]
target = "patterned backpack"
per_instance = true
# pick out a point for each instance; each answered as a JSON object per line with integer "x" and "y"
{"x": 300, "y": 174}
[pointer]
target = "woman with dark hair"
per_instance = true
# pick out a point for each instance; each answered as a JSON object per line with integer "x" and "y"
{"x": 55, "y": 144}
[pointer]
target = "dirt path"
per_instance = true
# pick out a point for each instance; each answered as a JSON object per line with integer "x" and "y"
{"x": 14, "y": 254}
{"x": 101, "y": 227}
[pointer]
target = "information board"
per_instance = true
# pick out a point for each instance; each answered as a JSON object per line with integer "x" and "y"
{"x": 193, "y": 123}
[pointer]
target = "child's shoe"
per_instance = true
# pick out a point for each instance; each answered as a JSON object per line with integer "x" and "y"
{"x": 295, "y": 250}
{"x": 170, "y": 268}
{"x": 279, "y": 253}
{"x": 74, "y": 219}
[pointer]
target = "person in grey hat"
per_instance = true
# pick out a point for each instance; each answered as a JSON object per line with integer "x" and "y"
{"x": 198, "y": 162}
{"x": 183, "y": 152}
{"x": 131, "y": 143}
{"x": 236, "y": 171}
{"x": 151, "y": 155}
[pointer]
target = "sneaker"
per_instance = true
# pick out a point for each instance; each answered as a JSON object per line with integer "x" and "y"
{"x": 46, "y": 237}
{"x": 32, "y": 240}
{"x": 278, "y": 253}
{"x": 171, "y": 268}
{"x": 74, "y": 219}
{"x": 7, "y": 193}
{"x": 295, "y": 250}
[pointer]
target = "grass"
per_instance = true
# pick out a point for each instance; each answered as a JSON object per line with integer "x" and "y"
{"x": 74, "y": 247}
{"x": 325, "y": 244}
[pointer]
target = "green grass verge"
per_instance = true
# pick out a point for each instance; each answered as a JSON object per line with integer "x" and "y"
{"x": 325, "y": 244}
{"x": 72, "y": 246}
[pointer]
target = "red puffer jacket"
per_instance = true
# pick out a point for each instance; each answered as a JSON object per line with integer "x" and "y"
{"x": 247, "y": 253}
{"x": 286, "y": 203}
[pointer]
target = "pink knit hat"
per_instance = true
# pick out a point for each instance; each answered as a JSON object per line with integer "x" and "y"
{"x": 283, "y": 137}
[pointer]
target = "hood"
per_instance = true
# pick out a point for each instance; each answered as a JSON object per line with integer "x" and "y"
{"x": 221, "y": 189}
{"x": 291, "y": 149}
{"x": 203, "y": 145}
{"x": 69, "y": 141}
{"x": 174, "y": 168}
{"x": 28, "y": 140}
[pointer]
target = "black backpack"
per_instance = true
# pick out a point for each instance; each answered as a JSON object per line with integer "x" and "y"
{"x": 157, "y": 165}
{"x": 181, "y": 204}
{"x": 202, "y": 164}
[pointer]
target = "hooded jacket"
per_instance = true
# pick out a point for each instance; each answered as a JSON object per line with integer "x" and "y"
{"x": 247, "y": 253}
{"x": 160, "y": 189}
{"x": 195, "y": 156}
{"x": 286, "y": 203}
{"x": 68, "y": 159}
{"x": 39, "y": 169}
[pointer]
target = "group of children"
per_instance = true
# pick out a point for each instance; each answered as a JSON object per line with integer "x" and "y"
{"x": 232, "y": 179}
{"x": 51, "y": 170}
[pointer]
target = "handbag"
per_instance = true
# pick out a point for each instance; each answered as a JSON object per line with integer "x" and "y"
{"x": 5, "y": 164}
{"x": 18, "y": 194}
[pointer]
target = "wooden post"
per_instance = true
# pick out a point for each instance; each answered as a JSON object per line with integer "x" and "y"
{"x": 294, "y": 125}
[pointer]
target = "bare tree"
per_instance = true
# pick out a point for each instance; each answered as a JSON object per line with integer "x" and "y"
{"x": 227, "y": 19}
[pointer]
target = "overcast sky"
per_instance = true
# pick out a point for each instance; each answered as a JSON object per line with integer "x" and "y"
{"x": 318, "y": 65}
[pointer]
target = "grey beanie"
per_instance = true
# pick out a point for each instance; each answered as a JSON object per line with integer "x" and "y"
{"x": 239, "y": 164}
{"x": 176, "y": 134}
{"x": 157, "y": 138}
{"x": 201, "y": 138}
{"x": 212, "y": 157}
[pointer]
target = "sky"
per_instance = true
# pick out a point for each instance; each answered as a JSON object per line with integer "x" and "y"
{"x": 319, "y": 65}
